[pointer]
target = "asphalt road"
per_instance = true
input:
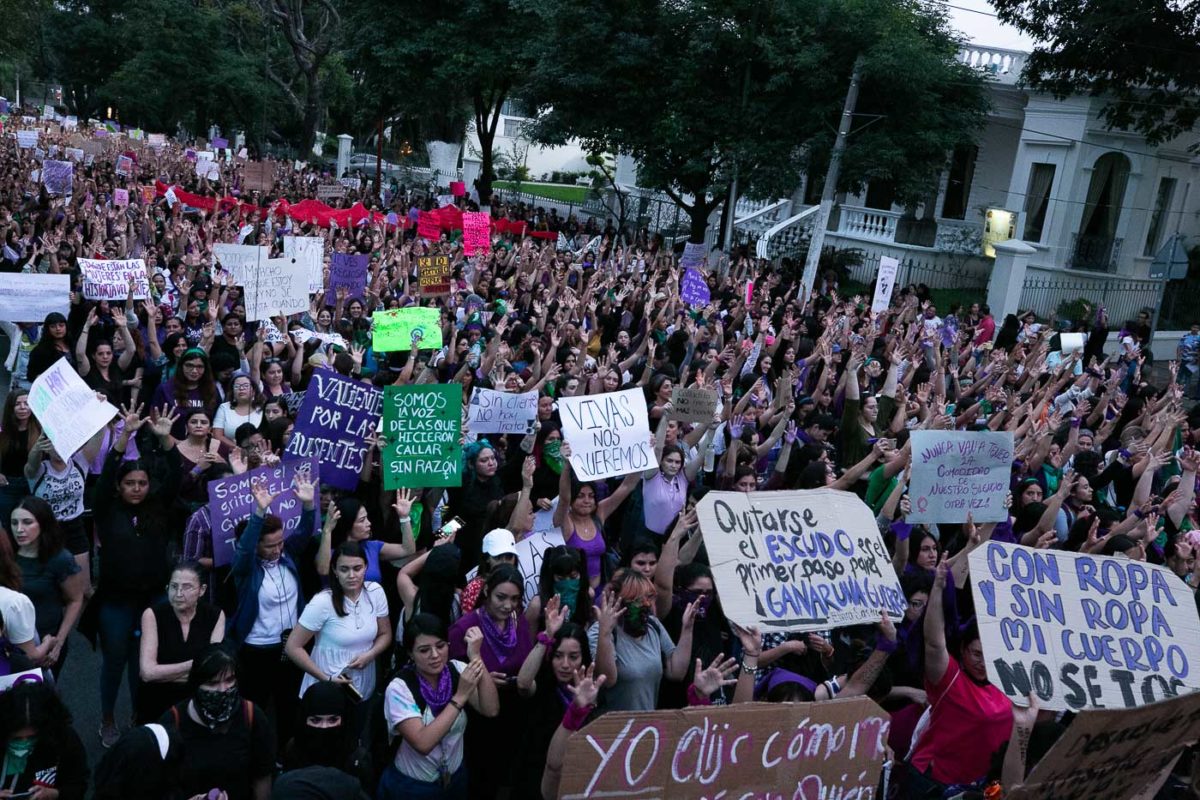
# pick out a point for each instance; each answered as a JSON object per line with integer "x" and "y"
{"x": 79, "y": 686}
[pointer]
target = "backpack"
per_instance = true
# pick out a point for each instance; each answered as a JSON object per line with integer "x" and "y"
{"x": 381, "y": 750}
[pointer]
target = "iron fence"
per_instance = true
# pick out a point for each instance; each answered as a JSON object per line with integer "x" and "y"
{"x": 1056, "y": 292}
{"x": 933, "y": 272}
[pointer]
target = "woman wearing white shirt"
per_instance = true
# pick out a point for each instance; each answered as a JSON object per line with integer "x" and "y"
{"x": 245, "y": 405}
{"x": 351, "y": 625}
{"x": 424, "y": 707}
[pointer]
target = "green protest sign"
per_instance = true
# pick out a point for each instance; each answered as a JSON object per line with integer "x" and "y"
{"x": 395, "y": 329}
{"x": 421, "y": 429}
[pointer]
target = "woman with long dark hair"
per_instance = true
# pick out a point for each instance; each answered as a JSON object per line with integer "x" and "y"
{"x": 350, "y": 624}
{"x": 192, "y": 386}
{"x": 563, "y": 575}
{"x": 49, "y": 575}
{"x": 51, "y": 345}
{"x": 137, "y": 532}
{"x": 19, "y": 433}
{"x": 424, "y": 706}
{"x": 42, "y": 754}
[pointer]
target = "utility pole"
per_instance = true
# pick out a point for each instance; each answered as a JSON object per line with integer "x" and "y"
{"x": 831, "y": 179}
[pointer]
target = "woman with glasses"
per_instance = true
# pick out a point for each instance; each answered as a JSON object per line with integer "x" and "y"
{"x": 174, "y": 632}
{"x": 245, "y": 404}
{"x": 192, "y": 386}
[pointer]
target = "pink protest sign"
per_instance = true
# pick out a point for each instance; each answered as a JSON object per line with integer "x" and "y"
{"x": 120, "y": 197}
{"x": 476, "y": 232}
{"x": 458, "y": 188}
{"x": 429, "y": 225}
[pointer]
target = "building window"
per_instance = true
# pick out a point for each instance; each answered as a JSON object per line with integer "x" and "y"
{"x": 1037, "y": 200}
{"x": 512, "y": 128}
{"x": 511, "y": 108}
{"x": 1158, "y": 219}
{"x": 958, "y": 184}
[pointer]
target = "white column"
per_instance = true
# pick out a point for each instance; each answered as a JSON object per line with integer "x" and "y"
{"x": 343, "y": 158}
{"x": 1008, "y": 277}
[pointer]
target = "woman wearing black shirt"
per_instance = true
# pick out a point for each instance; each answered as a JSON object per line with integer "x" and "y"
{"x": 19, "y": 432}
{"x": 51, "y": 345}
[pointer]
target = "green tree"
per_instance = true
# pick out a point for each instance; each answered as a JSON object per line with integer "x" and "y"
{"x": 700, "y": 92}
{"x": 79, "y": 47}
{"x": 1141, "y": 56}
{"x": 452, "y": 63}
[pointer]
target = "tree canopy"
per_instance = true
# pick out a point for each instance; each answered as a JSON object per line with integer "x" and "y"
{"x": 1142, "y": 56}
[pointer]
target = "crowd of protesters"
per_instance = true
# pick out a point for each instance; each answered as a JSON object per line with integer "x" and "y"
{"x": 386, "y": 649}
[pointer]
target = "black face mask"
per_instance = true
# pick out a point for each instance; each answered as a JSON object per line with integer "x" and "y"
{"x": 322, "y": 746}
{"x": 216, "y": 707}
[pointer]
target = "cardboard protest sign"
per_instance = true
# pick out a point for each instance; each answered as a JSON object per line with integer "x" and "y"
{"x": 67, "y": 408}
{"x": 693, "y": 288}
{"x": 1115, "y": 754}
{"x": 885, "y": 283}
{"x": 421, "y": 428}
{"x": 258, "y": 176}
{"x": 277, "y": 286}
{"x": 27, "y": 140}
{"x": 433, "y": 274}
{"x": 955, "y": 473}
{"x": 30, "y": 297}
{"x": 309, "y": 252}
{"x": 397, "y": 329}
{"x": 799, "y": 560}
{"x": 693, "y": 404}
{"x": 239, "y": 259}
{"x": 348, "y": 270}
{"x": 429, "y": 225}
{"x": 477, "y": 232}
{"x": 330, "y": 191}
{"x": 230, "y": 501}
{"x": 693, "y": 256}
{"x": 807, "y": 751}
{"x": 1083, "y": 631}
{"x": 501, "y": 412}
{"x": 59, "y": 176}
{"x": 337, "y": 416}
{"x": 109, "y": 280}
{"x": 609, "y": 434}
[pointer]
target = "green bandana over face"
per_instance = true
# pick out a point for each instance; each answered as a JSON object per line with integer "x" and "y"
{"x": 17, "y": 754}
{"x": 552, "y": 455}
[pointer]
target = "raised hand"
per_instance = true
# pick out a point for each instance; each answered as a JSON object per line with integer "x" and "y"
{"x": 403, "y": 503}
{"x": 262, "y": 495}
{"x": 304, "y": 487}
{"x": 556, "y": 615}
{"x": 717, "y": 674}
{"x": 586, "y": 686}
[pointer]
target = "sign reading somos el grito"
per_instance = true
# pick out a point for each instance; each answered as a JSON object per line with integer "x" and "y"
{"x": 1084, "y": 631}
{"x": 798, "y": 561}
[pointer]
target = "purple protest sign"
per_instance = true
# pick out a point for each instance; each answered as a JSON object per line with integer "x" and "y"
{"x": 230, "y": 501}
{"x": 334, "y": 421}
{"x": 219, "y": 143}
{"x": 694, "y": 289}
{"x": 349, "y": 270}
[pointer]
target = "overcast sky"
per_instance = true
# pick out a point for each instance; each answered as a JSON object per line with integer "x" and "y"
{"x": 984, "y": 28}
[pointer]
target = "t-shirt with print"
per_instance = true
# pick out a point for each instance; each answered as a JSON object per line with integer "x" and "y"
{"x": 446, "y": 756}
{"x": 639, "y": 666}
{"x": 62, "y": 490}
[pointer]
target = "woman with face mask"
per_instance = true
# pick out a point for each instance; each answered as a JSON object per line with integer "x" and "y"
{"x": 632, "y": 648}
{"x": 41, "y": 755}
{"x": 227, "y": 741}
{"x": 563, "y": 575}
{"x": 323, "y": 737}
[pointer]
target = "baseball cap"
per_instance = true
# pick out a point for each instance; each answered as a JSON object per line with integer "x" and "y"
{"x": 499, "y": 542}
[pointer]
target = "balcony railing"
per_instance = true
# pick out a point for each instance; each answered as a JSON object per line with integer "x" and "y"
{"x": 868, "y": 223}
{"x": 1097, "y": 253}
{"x": 1003, "y": 65}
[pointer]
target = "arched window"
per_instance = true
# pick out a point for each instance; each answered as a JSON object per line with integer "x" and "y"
{"x": 1095, "y": 240}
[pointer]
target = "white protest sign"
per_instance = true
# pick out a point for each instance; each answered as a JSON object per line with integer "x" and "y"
{"x": 693, "y": 404}
{"x": 1072, "y": 342}
{"x": 67, "y": 408}
{"x": 309, "y": 251}
{"x": 302, "y": 335}
{"x": 798, "y": 561}
{"x": 206, "y": 165}
{"x": 27, "y": 140}
{"x": 609, "y": 434}
{"x": 109, "y": 280}
{"x": 501, "y": 412}
{"x": 240, "y": 259}
{"x": 693, "y": 256}
{"x": 955, "y": 473}
{"x": 1083, "y": 631}
{"x": 277, "y": 286}
{"x": 530, "y": 553}
{"x": 28, "y": 676}
{"x": 29, "y": 298}
{"x": 885, "y": 282}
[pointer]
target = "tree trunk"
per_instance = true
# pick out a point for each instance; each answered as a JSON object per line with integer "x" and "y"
{"x": 487, "y": 172}
{"x": 311, "y": 115}
{"x": 698, "y": 212}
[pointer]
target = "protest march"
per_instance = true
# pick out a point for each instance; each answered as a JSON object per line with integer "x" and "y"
{"x": 451, "y": 497}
